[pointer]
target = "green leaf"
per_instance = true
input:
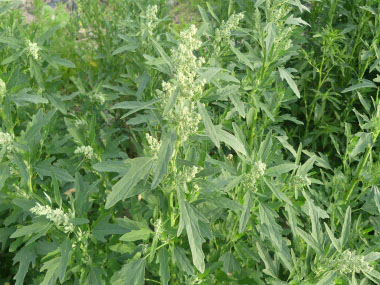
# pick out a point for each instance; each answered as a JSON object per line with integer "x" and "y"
{"x": 25, "y": 257}
{"x": 131, "y": 48}
{"x": 248, "y": 201}
{"x": 364, "y": 141}
{"x": 346, "y": 228}
{"x": 164, "y": 156}
{"x": 182, "y": 261}
{"x": 140, "y": 167}
{"x": 295, "y": 21}
{"x": 132, "y": 273}
{"x": 363, "y": 84}
{"x": 270, "y": 267}
{"x": 238, "y": 104}
{"x": 163, "y": 54}
{"x": 163, "y": 260}
{"x": 230, "y": 264}
{"x": 103, "y": 228}
{"x": 334, "y": 241}
{"x": 277, "y": 170}
{"x": 62, "y": 62}
{"x": 278, "y": 193}
{"x": 230, "y": 140}
{"x": 330, "y": 276}
{"x": 285, "y": 74}
{"x": 242, "y": 57}
{"x": 210, "y": 128}
{"x": 4, "y": 174}
{"x": 189, "y": 218}
{"x": 30, "y": 229}
{"x": 309, "y": 240}
{"x": 94, "y": 277}
{"x": 51, "y": 275}
{"x": 142, "y": 234}
{"x": 66, "y": 250}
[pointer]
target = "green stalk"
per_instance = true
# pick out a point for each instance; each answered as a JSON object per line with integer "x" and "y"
{"x": 358, "y": 172}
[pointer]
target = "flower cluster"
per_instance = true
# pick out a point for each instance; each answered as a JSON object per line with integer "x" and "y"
{"x": 300, "y": 181}
{"x": 6, "y": 141}
{"x": 57, "y": 216}
{"x": 87, "y": 151}
{"x": 151, "y": 18}
{"x": 346, "y": 263}
{"x": 154, "y": 144}
{"x": 349, "y": 262}
{"x": 33, "y": 50}
{"x": 223, "y": 33}
{"x": 3, "y": 89}
{"x": 184, "y": 114}
{"x": 257, "y": 171}
{"x": 158, "y": 227}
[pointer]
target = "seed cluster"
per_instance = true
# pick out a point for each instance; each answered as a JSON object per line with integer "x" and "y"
{"x": 6, "y": 141}
{"x": 86, "y": 151}
{"x": 33, "y": 50}
{"x": 57, "y": 216}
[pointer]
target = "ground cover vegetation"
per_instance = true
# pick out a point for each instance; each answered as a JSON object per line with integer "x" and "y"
{"x": 220, "y": 142}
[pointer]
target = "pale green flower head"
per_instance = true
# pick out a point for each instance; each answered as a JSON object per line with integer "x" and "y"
{"x": 6, "y": 140}
{"x": 33, "y": 50}
{"x": 56, "y": 216}
{"x": 86, "y": 151}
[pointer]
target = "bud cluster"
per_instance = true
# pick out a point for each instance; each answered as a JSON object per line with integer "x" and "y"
{"x": 154, "y": 144}
{"x": 33, "y": 50}
{"x": 86, "y": 151}
{"x": 6, "y": 141}
{"x": 57, "y": 216}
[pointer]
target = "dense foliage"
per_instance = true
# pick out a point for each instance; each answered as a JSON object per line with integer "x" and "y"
{"x": 230, "y": 143}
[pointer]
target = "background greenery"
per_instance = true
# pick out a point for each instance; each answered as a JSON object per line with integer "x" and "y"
{"x": 276, "y": 184}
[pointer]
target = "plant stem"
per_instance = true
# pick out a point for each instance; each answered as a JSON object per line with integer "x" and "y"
{"x": 359, "y": 171}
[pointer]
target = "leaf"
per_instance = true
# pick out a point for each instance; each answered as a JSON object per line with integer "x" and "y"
{"x": 277, "y": 170}
{"x": 161, "y": 51}
{"x": 242, "y": 57}
{"x": 270, "y": 267}
{"x": 239, "y": 105}
{"x": 120, "y": 166}
{"x": 94, "y": 276}
{"x": 131, "y": 48}
{"x": 140, "y": 167}
{"x": 334, "y": 241}
{"x": 164, "y": 156}
{"x": 248, "y": 201}
{"x": 346, "y": 228}
{"x": 142, "y": 234}
{"x": 62, "y": 62}
{"x": 4, "y": 174}
{"x": 365, "y": 140}
{"x": 285, "y": 74}
{"x": 230, "y": 263}
{"x": 278, "y": 193}
{"x": 132, "y": 273}
{"x": 330, "y": 276}
{"x": 295, "y": 21}
{"x": 210, "y": 128}
{"x": 284, "y": 141}
{"x": 310, "y": 241}
{"x": 182, "y": 260}
{"x": 230, "y": 140}
{"x": 30, "y": 229}
{"x": 103, "y": 228}
{"x": 307, "y": 166}
{"x": 52, "y": 271}
{"x": 189, "y": 219}
{"x": 66, "y": 250}
{"x": 363, "y": 84}
{"x": 163, "y": 260}
{"x": 25, "y": 256}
